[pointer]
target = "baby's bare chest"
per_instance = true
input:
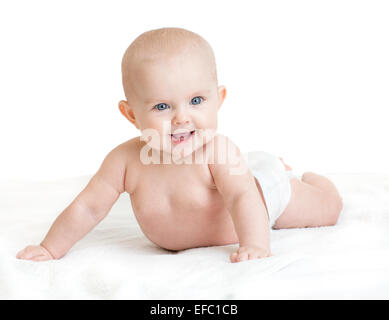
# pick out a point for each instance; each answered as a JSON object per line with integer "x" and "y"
{"x": 171, "y": 205}
{"x": 171, "y": 191}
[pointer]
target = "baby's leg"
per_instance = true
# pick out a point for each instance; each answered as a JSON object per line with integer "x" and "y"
{"x": 314, "y": 202}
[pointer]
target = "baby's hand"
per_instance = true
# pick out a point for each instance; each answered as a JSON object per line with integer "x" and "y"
{"x": 249, "y": 253}
{"x": 34, "y": 253}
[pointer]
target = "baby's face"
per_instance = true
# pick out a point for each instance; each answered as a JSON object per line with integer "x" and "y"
{"x": 178, "y": 99}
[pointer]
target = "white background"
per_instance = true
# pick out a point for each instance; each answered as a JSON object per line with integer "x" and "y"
{"x": 306, "y": 80}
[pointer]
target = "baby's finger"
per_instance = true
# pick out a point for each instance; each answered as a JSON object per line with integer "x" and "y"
{"x": 19, "y": 255}
{"x": 40, "y": 258}
{"x": 243, "y": 256}
{"x": 27, "y": 253}
{"x": 253, "y": 256}
{"x": 233, "y": 256}
{"x": 24, "y": 254}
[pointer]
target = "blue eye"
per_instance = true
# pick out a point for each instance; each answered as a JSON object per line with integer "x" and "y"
{"x": 161, "y": 106}
{"x": 196, "y": 100}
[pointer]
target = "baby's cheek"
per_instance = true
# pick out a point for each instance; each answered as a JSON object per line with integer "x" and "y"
{"x": 150, "y": 124}
{"x": 211, "y": 121}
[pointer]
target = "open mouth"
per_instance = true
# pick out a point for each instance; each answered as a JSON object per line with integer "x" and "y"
{"x": 181, "y": 136}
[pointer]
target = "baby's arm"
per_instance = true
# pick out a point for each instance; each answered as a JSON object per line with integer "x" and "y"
{"x": 85, "y": 211}
{"x": 247, "y": 210}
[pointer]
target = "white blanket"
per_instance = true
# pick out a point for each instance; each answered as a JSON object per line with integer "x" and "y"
{"x": 116, "y": 261}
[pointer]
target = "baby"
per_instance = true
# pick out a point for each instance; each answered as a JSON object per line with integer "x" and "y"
{"x": 189, "y": 187}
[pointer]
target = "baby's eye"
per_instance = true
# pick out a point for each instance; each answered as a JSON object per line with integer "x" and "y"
{"x": 161, "y": 106}
{"x": 196, "y": 100}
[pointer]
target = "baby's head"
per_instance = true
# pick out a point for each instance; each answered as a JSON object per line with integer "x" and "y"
{"x": 170, "y": 83}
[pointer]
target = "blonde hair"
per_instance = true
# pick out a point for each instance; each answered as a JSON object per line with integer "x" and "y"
{"x": 159, "y": 43}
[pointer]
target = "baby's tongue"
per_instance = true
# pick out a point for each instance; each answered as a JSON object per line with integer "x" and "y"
{"x": 179, "y": 137}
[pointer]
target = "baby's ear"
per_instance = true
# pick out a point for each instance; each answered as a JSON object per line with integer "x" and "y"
{"x": 127, "y": 111}
{"x": 222, "y": 92}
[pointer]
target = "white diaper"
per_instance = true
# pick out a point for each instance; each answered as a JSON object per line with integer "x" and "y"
{"x": 273, "y": 179}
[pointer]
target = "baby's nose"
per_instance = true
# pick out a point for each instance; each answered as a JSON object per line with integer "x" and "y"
{"x": 181, "y": 118}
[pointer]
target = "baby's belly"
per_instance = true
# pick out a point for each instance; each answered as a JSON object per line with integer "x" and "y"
{"x": 185, "y": 228}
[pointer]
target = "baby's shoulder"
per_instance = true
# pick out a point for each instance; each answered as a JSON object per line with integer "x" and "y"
{"x": 127, "y": 154}
{"x": 221, "y": 140}
{"x": 227, "y": 160}
{"x": 130, "y": 147}
{"x": 221, "y": 149}
{"x": 124, "y": 151}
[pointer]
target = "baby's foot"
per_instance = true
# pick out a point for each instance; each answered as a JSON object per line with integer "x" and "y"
{"x": 34, "y": 253}
{"x": 287, "y": 167}
{"x": 249, "y": 253}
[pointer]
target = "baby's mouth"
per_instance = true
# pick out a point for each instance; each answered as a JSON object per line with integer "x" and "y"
{"x": 181, "y": 136}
